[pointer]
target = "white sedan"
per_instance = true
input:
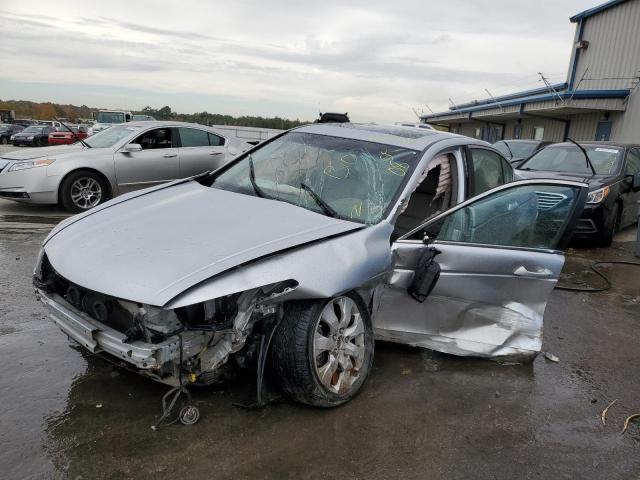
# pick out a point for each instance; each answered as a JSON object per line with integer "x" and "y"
{"x": 118, "y": 160}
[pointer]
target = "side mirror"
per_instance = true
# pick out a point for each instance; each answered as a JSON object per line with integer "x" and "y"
{"x": 132, "y": 147}
{"x": 635, "y": 186}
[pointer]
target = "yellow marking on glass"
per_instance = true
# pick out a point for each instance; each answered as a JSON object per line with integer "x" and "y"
{"x": 356, "y": 210}
{"x": 397, "y": 168}
{"x": 345, "y": 163}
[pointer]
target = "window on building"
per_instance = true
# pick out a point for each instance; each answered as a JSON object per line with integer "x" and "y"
{"x": 538, "y": 133}
{"x": 517, "y": 131}
{"x": 477, "y": 133}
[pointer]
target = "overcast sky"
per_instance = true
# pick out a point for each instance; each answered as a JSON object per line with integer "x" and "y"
{"x": 374, "y": 59}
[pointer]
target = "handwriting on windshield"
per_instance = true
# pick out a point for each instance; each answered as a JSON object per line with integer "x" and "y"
{"x": 343, "y": 169}
{"x": 356, "y": 210}
{"x": 396, "y": 168}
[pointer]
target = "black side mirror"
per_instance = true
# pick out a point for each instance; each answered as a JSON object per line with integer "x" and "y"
{"x": 635, "y": 185}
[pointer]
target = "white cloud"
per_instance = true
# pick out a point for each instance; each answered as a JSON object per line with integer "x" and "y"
{"x": 374, "y": 59}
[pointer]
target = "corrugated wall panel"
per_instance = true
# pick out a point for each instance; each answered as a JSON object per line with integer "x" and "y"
{"x": 553, "y": 129}
{"x": 628, "y": 128}
{"x": 614, "y": 48}
{"x": 583, "y": 127}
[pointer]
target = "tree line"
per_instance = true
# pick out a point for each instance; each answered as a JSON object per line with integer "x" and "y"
{"x": 49, "y": 110}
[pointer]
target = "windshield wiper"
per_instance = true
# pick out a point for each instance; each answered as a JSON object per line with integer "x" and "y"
{"x": 252, "y": 178}
{"x": 589, "y": 164}
{"x": 508, "y": 148}
{"x": 74, "y": 134}
{"x": 326, "y": 208}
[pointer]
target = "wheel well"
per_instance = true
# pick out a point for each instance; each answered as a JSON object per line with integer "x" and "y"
{"x": 92, "y": 170}
{"x": 621, "y": 206}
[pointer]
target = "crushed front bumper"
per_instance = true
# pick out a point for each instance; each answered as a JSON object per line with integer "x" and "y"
{"x": 99, "y": 338}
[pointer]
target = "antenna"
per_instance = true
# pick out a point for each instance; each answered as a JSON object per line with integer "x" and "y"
{"x": 494, "y": 100}
{"x": 432, "y": 112}
{"x": 453, "y": 104}
{"x": 550, "y": 87}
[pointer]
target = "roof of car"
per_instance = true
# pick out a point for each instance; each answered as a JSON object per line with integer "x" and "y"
{"x": 414, "y": 138}
{"x": 601, "y": 144}
{"x": 169, "y": 123}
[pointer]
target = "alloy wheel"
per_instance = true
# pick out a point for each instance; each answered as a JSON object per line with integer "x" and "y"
{"x": 339, "y": 345}
{"x": 86, "y": 193}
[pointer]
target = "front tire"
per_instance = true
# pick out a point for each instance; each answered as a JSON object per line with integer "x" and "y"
{"x": 82, "y": 190}
{"x": 4, "y": 141}
{"x": 323, "y": 350}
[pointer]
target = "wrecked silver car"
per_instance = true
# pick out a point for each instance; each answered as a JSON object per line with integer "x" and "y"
{"x": 303, "y": 250}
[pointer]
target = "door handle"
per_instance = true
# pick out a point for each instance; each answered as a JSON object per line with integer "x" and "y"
{"x": 170, "y": 155}
{"x": 532, "y": 271}
{"x": 215, "y": 153}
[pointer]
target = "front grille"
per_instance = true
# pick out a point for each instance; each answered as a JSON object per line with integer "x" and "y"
{"x": 548, "y": 200}
{"x": 103, "y": 308}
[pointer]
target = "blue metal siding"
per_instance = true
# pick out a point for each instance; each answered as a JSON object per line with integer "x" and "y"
{"x": 578, "y": 94}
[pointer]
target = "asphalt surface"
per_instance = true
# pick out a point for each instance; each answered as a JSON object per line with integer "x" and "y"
{"x": 66, "y": 414}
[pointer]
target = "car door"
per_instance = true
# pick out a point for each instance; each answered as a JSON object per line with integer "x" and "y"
{"x": 200, "y": 151}
{"x": 630, "y": 197}
{"x": 498, "y": 257}
{"x": 157, "y": 162}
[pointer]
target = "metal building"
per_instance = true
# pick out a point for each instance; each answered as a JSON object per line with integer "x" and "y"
{"x": 599, "y": 101}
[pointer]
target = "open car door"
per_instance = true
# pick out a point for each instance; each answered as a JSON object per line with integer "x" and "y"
{"x": 475, "y": 280}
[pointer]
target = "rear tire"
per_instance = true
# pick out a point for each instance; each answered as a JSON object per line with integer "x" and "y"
{"x": 83, "y": 190}
{"x": 323, "y": 350}
{"x": 4, "y": 141}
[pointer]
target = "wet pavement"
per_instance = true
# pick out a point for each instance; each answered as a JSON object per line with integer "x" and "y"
{"x": 66, "y": 414}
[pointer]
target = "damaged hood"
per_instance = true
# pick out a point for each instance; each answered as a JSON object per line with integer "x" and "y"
{"x": 157, "y": 244}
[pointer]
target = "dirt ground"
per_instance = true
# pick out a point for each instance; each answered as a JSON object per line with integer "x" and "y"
{"x": 66, "y": 414}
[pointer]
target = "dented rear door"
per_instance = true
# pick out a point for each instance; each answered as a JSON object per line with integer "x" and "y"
{"x": 500, "y": 256}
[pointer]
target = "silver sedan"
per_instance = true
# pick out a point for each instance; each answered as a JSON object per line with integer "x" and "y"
{"x": 118, "y": 160}
{"x": 297, "y": 254}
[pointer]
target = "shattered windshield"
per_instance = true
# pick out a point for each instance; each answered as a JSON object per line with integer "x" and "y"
{"x": 346, "y": 178}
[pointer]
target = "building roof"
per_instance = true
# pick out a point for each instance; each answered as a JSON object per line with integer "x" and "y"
{"x": 595, "y": 10}
{"x": 526, "y": 97}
